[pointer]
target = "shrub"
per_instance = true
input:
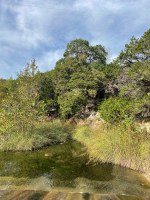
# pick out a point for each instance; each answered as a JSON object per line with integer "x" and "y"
{"x": 116, "y": 109}
{"x": 122, "y": 109}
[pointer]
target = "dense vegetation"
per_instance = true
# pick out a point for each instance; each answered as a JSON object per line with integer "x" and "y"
{"x": 80, "y": 84}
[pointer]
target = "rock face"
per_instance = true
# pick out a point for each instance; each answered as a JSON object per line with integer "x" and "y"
{"x": 132, "y": 87}
{"x": 95, "y": 118}
{"x": 63, "y": 195}
{"x": 145, "y": 125}
{"x": 144, "y": 113}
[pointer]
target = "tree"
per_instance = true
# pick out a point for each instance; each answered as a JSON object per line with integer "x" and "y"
{"x": 138, "y": 50}
{"x": 133, "y": 80}
{"x": 3, "y": 89}
{"x": 82, "y": 51}
{"x": 6, "y": 87}
{"x": 79, "y": 74}
{"x": 71, "y": 102}
{"x": 21, "y": 108}
{"x": 47, "y": 93}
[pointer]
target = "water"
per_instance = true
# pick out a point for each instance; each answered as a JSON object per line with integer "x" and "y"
{"x": 66, "y": 167}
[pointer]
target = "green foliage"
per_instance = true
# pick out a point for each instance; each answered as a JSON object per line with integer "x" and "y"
{"x": 71, "y": 102}
{"x": 117, "y": 109}
{"x": 136, "y": 83}
{"x": 51, "y": 133}
{"x": 111, "y": 71}
{"x": 75, "y": 85}
{"x": 47, "y": 91}
{"x": 123, "y": 144}
{"x": 43, "y": 134}
{"x": 20, "y": 108}
{"x": 79, "y": 77}
{"x": 6, "y": 87}
{"x": 46, "y": 86}
{"x": 83, "y": 52}
{"x": 123, "y": 109}
{"x": 136, "y": 51}
{"x": 133, "y": 79}
{"x": 140, "y": 71}
{"x": 21, "y": 111}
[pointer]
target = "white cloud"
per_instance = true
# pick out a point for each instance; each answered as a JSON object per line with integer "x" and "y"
{"x": 47, "y": 60}
{"x": 41, "y": 29}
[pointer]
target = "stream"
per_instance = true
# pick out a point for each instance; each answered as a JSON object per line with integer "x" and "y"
{"x": 66, "y": 167}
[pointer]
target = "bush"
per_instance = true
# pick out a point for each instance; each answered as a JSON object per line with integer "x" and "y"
{"x": 51, "y": 133}
{"x": 119, "y": 109}
{"x": 116, "y": 109}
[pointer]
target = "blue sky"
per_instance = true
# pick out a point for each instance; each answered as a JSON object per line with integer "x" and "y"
{"x": 41, "y": 29}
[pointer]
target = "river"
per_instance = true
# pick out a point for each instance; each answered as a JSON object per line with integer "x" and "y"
{"x": 66, "y": 167}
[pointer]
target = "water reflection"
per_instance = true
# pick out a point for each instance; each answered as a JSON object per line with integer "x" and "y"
{"x": 62, "y": 161}
{"x": 62, "y": 166}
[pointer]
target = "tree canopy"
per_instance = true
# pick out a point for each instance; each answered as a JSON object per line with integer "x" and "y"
{"x": 138, "y": 50}
{"x": 78, "y": 74}
{"x": 83, "y": 52}
{"x": 82, "y": 79}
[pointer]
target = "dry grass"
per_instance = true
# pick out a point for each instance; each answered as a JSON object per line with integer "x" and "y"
{"x": 126, "y": 145}
{"x": 43, "y": 134}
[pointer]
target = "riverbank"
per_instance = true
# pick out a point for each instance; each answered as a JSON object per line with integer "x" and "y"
{"x": 42, "y": 134}
{"x": 125, "y": 144}
{"x": 146, "y": 176}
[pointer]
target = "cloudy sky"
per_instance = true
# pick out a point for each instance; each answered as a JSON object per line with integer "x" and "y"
{"x": 41, "y": 29}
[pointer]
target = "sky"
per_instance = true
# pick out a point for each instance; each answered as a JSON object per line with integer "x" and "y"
{"x": 41, "y": 29}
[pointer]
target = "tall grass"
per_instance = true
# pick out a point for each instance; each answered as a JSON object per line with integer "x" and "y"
{"x": 123, "y": 144}
{"x": 43, "y": 134}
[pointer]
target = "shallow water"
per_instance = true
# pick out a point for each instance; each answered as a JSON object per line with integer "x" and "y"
{"x": 66, "y": 167}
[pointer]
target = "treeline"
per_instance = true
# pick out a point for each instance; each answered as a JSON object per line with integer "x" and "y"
{"x": 81, "y": 82}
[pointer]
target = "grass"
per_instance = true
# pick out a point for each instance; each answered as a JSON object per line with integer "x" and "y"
{"x": 126, "y": 145}
{"x": 43, "y": 134}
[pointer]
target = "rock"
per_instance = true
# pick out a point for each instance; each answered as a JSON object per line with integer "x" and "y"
{"x": 146, "y": 126}
{"x": 95, "y": 118}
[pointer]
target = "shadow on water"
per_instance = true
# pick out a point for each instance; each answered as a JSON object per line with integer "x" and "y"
{"x": 62, "y": 161}
{"x": 64, "y": 166}
{"x": 86, "y": 196}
